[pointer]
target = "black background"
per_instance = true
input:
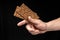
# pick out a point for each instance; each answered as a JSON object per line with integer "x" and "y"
{"x": 47, "y": 10}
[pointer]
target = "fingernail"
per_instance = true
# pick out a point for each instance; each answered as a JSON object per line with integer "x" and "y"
{"x": 18, "y": 24}
{"x": 29, "y": 17}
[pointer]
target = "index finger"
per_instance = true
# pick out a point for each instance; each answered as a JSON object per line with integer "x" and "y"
{"x": 22, "y": 23}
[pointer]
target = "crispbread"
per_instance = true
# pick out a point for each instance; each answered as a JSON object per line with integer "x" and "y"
{"x": 23, "y": 12}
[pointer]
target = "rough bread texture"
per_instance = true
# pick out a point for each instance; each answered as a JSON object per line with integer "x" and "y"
{"x": 23, "y": 12}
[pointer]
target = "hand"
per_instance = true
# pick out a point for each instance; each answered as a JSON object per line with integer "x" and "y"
{"x": 34, "y": 26}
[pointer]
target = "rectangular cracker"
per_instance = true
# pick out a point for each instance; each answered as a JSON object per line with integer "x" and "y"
{"x": 23, "y": 12}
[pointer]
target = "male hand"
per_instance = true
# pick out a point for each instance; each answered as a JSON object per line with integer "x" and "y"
{"x": 34, "y": 26}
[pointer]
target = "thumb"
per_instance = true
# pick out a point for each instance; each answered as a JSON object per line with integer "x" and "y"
{"x": 34, "y": 21}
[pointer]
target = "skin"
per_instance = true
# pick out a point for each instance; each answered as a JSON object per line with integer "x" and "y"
{"x": 37, "y": 26}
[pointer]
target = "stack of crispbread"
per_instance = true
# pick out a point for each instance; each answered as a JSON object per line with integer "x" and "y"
{"x": 23, "y": 12}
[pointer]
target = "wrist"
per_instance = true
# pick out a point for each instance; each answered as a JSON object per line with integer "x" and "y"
{"x": 47, "y": 26}
{"x": 50, "y": 26}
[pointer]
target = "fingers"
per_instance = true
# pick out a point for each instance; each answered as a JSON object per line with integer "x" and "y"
{"x": 32, "y": 30}
{"x": 30, "y": 27}
{"x": 22, "y": 23}
{"x": 34, "y": 21}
